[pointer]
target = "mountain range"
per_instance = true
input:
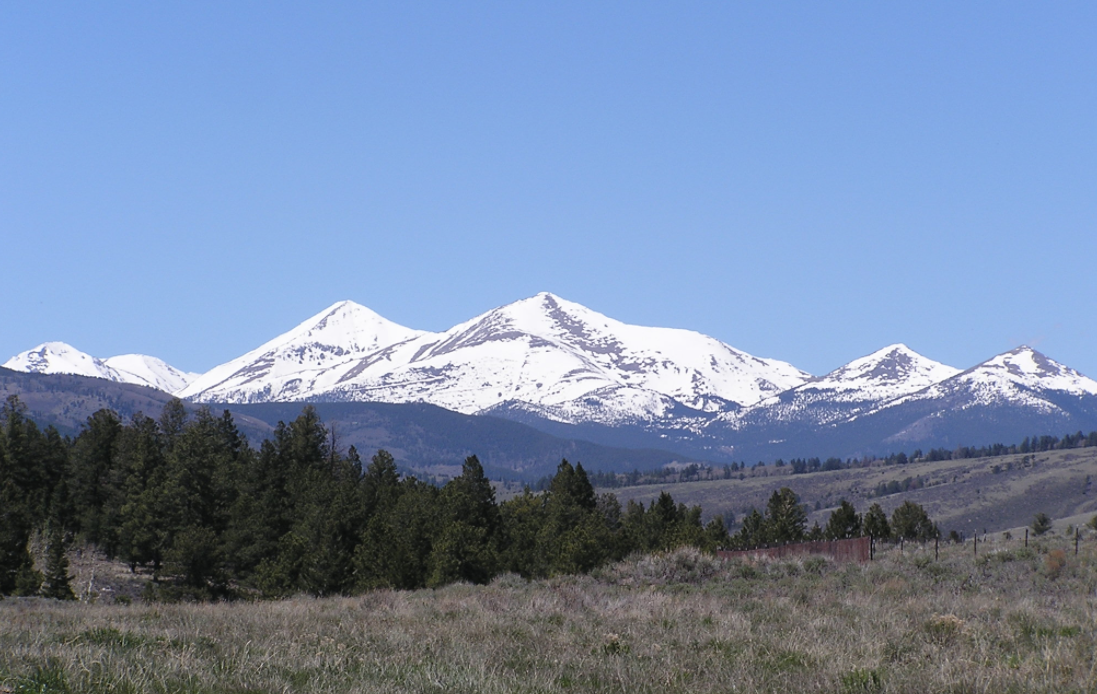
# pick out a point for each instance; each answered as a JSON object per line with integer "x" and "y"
{"x": 572, "y": 372}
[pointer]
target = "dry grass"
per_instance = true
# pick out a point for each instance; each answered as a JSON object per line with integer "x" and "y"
{"x": 1014, "y": 619}
{"x": 968, "y": 495}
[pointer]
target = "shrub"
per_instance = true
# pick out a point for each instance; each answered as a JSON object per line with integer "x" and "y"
{"x": 860, "y": 680}
{"x": 1041, "y": 523}
{"x": 1054, "y": 562}
{"x": 943, "y": 628}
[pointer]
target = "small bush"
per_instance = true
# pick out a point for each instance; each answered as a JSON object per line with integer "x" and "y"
{"x": 49, "y": 679}
{"x": 1041, "y": 523}
{"x": 944, "y": 628}
{"x": 1054, "y": 562}
{"x": 860, "y": 680}
{"x": 613, "y": 645}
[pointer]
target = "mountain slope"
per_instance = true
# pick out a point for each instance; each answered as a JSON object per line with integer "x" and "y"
{"x": 1004, "y": 398}
{"x": 574, "y": 363}
{"x": 143, "y": 370}
{"x": 303, "y": 362}
{"x": 859, "y": 386}
{"x": 420, "y": 436}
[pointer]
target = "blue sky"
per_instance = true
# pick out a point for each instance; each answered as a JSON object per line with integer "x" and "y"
{"x": 804, "y": 181}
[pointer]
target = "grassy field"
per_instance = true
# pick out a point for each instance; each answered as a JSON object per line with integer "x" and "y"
{"x": 1013, "y": 619}
{"x": 969, "y": 495}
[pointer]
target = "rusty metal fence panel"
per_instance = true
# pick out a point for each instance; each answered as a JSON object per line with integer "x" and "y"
{"x": 856, "y": 549}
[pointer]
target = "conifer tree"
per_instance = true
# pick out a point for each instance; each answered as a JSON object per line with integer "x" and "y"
{"x": 467, "y": 547}
{"x": 910, "y": 522}
{"x": 93, "y": 480}
{"x": 21, "y": 492}
{"x": 57, "y": 583}
{"x": 876, "y": 523}
{"x": 785, "y": 517}
{"x": 844, "y": 522}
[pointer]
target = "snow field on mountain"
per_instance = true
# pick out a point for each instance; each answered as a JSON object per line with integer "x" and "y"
{"x": 139, "y": 369}
{"x": 558, "y": 360}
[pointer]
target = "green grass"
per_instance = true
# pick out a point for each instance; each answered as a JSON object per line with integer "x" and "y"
{"x": 682, "y": 622}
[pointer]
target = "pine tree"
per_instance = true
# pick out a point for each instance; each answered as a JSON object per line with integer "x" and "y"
{"x": 141, "y": 518}
{"x": 94, "y": 480}
{"x": 876, "y": 523}
{"x": 785, "y": 517}
{"x": 910, "y": 522}
{"x": 843, "y": 523}
{"x": 1041, "y": 523}
{"x": 467, "y": 548}
{"x": 57, "y": 583}
{"x": 521, "y": 519}
{"x": 21, "y": 495}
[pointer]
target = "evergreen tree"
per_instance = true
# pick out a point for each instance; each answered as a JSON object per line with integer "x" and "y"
{"x": 910, "y": 522}
{"x": 785, "y": 517}
{"x": 716, "y": 535}
{"x": 574, "y": 535}
{"x": 467, "y": 547}
{"x": 876, "y": 523}
{"x": 314, "y": 498}
{"x": 522, "y": 518}
{"x": 141, "y": 517}
{"x": 753, "y": 531}
{"x": 398, "y": 540}
{"x": 1041, "y": 523}
{"x": 844, "y": 522}
{"x": 57, "y": 583}
{"x": 21, "y": 492}
{"x": 93, "y": 480}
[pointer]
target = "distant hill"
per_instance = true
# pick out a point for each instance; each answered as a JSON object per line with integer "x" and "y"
{"x": 421, "y": 437}
{"x": 967, "y": 495}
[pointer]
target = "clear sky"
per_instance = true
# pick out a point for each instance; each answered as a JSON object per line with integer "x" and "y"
{"x": 802, "y": 180}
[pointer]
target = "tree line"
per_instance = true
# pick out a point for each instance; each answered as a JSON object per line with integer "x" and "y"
{"x": 801, "y": 466}
{"x": 785, "y": 520}
{"x": 185, "y": 498}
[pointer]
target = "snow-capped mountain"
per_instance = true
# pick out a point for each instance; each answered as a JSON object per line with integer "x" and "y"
{"x": 304, "y": 362}
{"x": 1021, "y": 377}
{"x": 144, "y": 370}
{"x": 138, "y": 369}
{"x": 573, "y": 372}
{"x": 568, "y": 360}
{"x": 1004, "y": 398}
{"x": 859, "y": 386}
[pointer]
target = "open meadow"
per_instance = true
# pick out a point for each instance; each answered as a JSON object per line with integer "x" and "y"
{"x": 1012, "y": 619}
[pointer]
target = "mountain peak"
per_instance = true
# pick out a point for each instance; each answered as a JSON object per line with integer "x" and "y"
{"x": 57, "y": 358}
{"x": 893, "y": 367}
{"x": 341, "y": 333}
{"x": 1027, "y": 367}
{"x": 63, "y": 358}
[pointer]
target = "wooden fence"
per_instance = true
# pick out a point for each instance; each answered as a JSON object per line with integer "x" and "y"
{"x": 856, "y": 549}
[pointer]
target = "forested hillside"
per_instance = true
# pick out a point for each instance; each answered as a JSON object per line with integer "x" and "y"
{"x": 187, "y": 499}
